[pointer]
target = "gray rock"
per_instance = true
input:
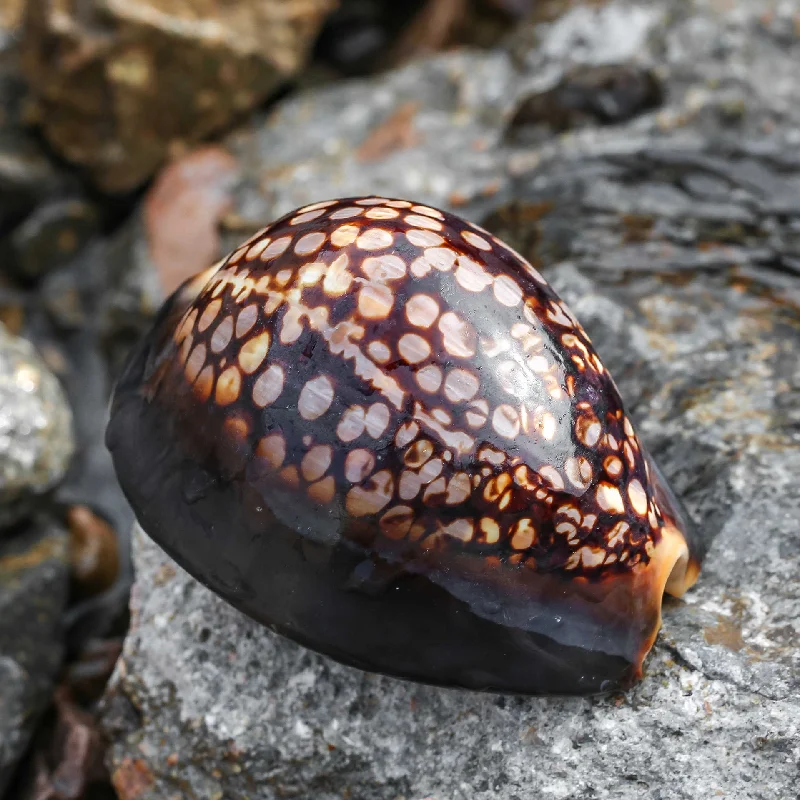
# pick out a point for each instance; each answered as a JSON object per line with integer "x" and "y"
{"x": 34, "y": 578}
{"x": 672, "y": 237}
{"x": 36, "y": 441}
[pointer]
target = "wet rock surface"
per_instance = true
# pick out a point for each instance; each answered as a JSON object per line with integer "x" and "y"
{"x": 121, "y": 85}
{"x": 34, "y": 580}
{"x": 672, "y": 236}
{"x": 36, "y": 439}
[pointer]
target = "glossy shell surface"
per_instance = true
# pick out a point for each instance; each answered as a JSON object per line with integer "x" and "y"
{"x": 375, "y": 428}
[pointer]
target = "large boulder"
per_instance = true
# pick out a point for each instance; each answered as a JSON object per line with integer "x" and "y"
{"x": 121, "y": 84}
{"x": 672, "y": 236}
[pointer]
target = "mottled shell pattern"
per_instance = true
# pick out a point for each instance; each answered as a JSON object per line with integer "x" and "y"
{"x": 386, "y": 374}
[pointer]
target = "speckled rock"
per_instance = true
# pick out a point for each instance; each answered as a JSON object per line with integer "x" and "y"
{"x": 36, "y": 441}
{"x": 673, "y": 237}
{"x": 123, "y": 84}
{"x": 34, "y": 578}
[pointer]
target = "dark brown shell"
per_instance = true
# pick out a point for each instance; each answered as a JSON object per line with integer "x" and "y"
{"x": 375, "y": 428}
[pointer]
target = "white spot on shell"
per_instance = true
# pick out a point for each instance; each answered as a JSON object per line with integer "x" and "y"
{"x": 346, "y": 213}
{"x": 268, "y": 387}
{"x": 374, "y": 239}
{"x": 507, "y": 291}
{"x": 638, "y": 498}
{"x": 344, "y": 235}
{"x": 375, "y": 301}
{"x": 458, "y": 336}
{"x": 429, "y": 378}
{"x": 471, "y": 275}
{"x": 384, "y": 268}
{"x": 306, "y": 217}
{"x": 428, "y": 211}
{"x": 379, "y": 352}
{"x": 413, "y": 348}
{"x": 358, "y": 464}
{"x": 476, "y": 241}
{"x": 315, "y": 397}
{"x": 382, "y": 213}
{"x": 461, "y": 385}
{"x": 609, "y": 498}
{"x": 422, "y": 310}
{"x": 316, "y": 461}
{"x": 351, "y": 425}
{"x": 222, "y": 334}
{"x": 276, "y": 248}
{"x": 424, "y": 238}
{"x": 253, "y": 352}
{"x": 246, "y": 319}
{"x": 377, "y": 420}
{"x": 309, "y": 243}
{"x": 419, "y": 221}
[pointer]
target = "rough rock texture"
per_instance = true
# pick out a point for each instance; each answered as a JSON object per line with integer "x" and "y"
{"x": 674, "y": 239}
{"x": 36, "y": 441}
{"x": 34, "y": 576}
{"x": 121, "y": 83}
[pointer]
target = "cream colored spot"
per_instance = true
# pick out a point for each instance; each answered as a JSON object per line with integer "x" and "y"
{"x": 406, "y": 433}
{"x": 375, "y": 301}
{"x": 346, "y": 213}
{"x": 429, "y": 378}
{"x": 204, "y": 383}
{"x": 358, "y": 464}
{"x": 344, "y": 235}
{"x": 436, "y": 488}
{"x": 579, "y": 471}
{"x": 471, "y": 275}
{"x": 418, "y": 453}
{"x": 505, "y": 421}
{"x": 229, "y": 384}
{"x": 310, "y": 274}
{"x": 315, "y": 397}
{"x": 276, "y": 248}
{"x": 283, "y": 276}
{"x": 222, "y": 334}
{"x": 523, "y": 534}
{"x": 538, "y": 364}
{"x": 351, "y": 425}
{"x": 588, "y": 556}
{"x": 290, "y": 476}
{"x": 316, "y": 461}
{"x": 377, "y": 420}
{"x": 337, "y": 278}
{"x": 427, "y": 211}
{"x": 458, "y": 336}
{"x": 442, "y": 416}
{"x": 507, "y": 291}
{"x": 458, "y": 489}
{"x": 396, "y": 522}
{"x": 268, "y": 387}
{"x": 490, "y": 530}
{"x": 424, "y": 238}
{"x": 638, "y": 498}
{"x": 398, "y": 203}
{"x": 423, "y": 222}
{"x": 422, "y": 310}
{"x": 382, "y": 213}
{"x": 613, "y": 466}
{"x": 476, "y": 241}
{"x": 609, "y": 498}
{"x": 195, "y": 362}
{"x": 441, "y": 258}
{"x": 374, "y": 239}
{"x": 323, "y": 491}
{"x": 409, "y": 485}
{"x": 246, "y": 319}
{"x": 372, "y": 201}
{"x": 306, "y": 217}
{"x": 545, "y": 423}
{"x": 557, "y": 315}
{"x": 314, "y": 206}
{"x": 462, "y": 529}
{"x": 379, "y": 351}
{"x": 413, "y": 348}
{"x": 186, "y": 326}
{"x": 258, "y": 248}
{"x": 588, "y": 430}
{"x": 384, "y": 268}
{"x": 209, "y": 314}
{"x": 253, "y": 352}
{"x": 476, "y": 418}
{"x": 617, "y": 534}
{"x": 370, "y": 499}
{"x": 630, "y": 458}
{"x": 551, "y": 475}
{"x": 309, "y": 243}
{"x": 272, "y": 449}
{"x": 461, "y": 385}
{"x": 420, "y": 267}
